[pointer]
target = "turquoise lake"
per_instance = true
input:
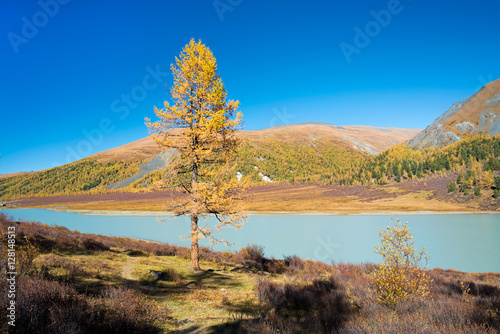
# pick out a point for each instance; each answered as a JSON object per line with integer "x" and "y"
{"x": 465, "y": 242}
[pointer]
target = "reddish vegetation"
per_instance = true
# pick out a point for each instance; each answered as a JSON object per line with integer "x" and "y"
{"x": 156, "y": 196}
{"x": 286, "y": 192}
{"x": 297, "y": 197}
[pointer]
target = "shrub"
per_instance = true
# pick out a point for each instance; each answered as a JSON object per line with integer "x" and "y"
{"x": 400, "y": 276}
{"x": 452, "y": 187}
{"x": 25, "y": 254}
{"x": 477, "y": 192}
{"x": 497, "y": 182}
{"x": 271, "y": 324}
{"x": 168, "y": 275}
{"x": 253, "y": 255}
{"x": 253, "y": 252}
{"x": 48, "y": 307}
{"x": 60, "y": 268}
{"x": 464, "y": 188}
{"x": 50, "y": 238}
{"x": 44, "y": 306}
{"x": 120, "y": 310}
{"x": 294, "y": 263}
{"x": 172, "y": 276}
{"x": 93, "y": 245}
{"x": 320, "y": 307}
{"x": 276, "y": 266}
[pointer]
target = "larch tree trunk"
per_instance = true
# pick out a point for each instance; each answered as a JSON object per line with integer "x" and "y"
{"x": 195, "y": 251}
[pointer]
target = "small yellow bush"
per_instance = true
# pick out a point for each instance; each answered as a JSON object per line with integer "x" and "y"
{"x": 401, "y": 275}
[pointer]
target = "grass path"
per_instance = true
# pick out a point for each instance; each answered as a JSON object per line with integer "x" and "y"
{"x": 199, "y": 300}
{"x": 128, "y": 267}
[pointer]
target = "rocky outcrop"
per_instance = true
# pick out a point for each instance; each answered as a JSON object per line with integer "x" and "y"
{"x": 479, "y": 113}
{"x": 159, "y": 161}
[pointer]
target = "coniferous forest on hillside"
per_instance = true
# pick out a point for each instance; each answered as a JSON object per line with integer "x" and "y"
{"x": 476, "y": 159}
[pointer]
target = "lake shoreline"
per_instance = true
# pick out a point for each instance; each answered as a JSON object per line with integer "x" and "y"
{"x": 145, "y": 213}
{"x": 471, "y": 238}
{"x": 405, "y": 197}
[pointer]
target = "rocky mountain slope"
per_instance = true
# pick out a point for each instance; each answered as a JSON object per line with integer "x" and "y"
{"x": 480, "y": 113}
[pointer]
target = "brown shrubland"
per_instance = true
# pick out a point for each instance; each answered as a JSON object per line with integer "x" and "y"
{"x": 289, "y": 296}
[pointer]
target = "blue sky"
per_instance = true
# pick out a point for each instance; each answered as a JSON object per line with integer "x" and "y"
{"x": 78, "y": 77}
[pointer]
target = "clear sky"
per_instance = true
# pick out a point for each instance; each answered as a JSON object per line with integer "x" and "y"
{"x": 78, "y": 77}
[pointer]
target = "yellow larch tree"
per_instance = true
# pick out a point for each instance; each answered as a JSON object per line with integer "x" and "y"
{"x": 201, "y": 124}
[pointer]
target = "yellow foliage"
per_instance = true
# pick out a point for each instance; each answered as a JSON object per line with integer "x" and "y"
{"x": 201, "y": 125}
{"x": 400, "y": 276}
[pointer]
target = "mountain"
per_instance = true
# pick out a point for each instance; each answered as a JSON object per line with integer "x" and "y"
{"x": 479, "y": 113}
{"x": 358, "y": 138}
{"x": 311, "y": 156}
{"x": 307, "y": 152}
{"x": 15, "y": 174}
{"x": 264, "y": 150}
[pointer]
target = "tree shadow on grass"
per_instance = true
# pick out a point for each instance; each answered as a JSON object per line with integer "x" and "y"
{"x": 209, "y": 278}
{"x": 189, "y": 330}
{"x": 86, "y": 282}
{"x": 230, "y": 327}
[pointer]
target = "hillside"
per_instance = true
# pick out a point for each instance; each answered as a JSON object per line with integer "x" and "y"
{"x": 15, "y": 174}
{"x": 480, "y": 113}
{"x": 294, "y": 153}
{"x": 357, "y": 138}
{"x": 330, "y": 173}
{"x": 80, "y": 176}
{"x": 367, "y": 139}
{"x": 304, "y": 152}
{"x": 464, "y": 176}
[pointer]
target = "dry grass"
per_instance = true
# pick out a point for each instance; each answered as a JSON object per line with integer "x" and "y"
{"x": 419, "y": 201}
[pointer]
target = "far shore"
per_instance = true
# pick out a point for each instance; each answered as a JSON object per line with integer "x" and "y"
{"x": 417, "y": 197}
{"x": 143, "y": 213}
